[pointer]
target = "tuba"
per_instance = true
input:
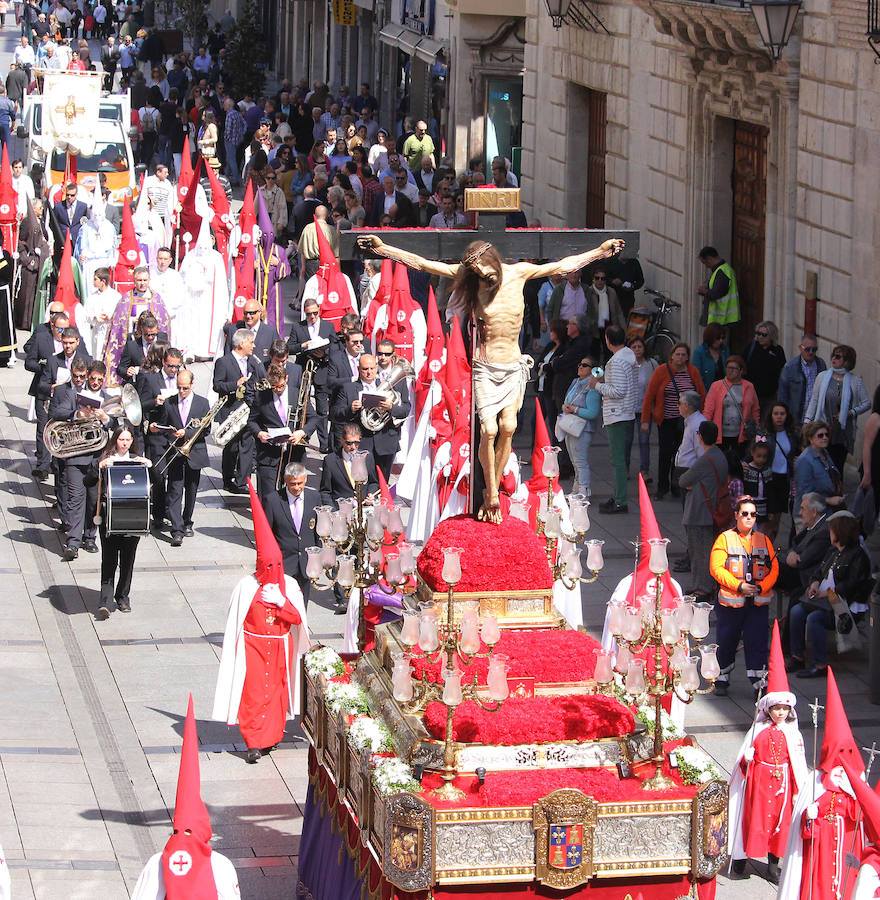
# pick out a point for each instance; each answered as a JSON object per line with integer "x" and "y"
{"x": 87, "y": 435}
{"x": 375, "y": 419}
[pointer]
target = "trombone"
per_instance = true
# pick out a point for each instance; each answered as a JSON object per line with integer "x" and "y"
{"x": 298, "y": 417}
{"x": 185, "y": 449}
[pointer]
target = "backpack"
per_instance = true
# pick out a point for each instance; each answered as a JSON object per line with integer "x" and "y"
{"x": 722, "y": 512}
{"x": 148, "y": 122}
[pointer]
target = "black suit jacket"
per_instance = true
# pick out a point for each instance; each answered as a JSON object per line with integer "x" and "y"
{"x": 264, "y": 415}
{"x": 55, "y": 362}
{"x": 226, "y": 375}
{"x": 293, "y": 543}
{"x": 339, "y": 371}
{"x": 63, "y": 408}
{"x": 38, "y": 348}
{"x": 335, "y": 484}
{"x": 383, "y": 442}
{"x": 262, "y": 342}
{"x": 71, "y": 223}
{"x": 811, "y": 545}
{"x": 198, "y": 409}
{"x": 303, "y": 213}
{"x": 148, "y": 386}
{"x": 133, "y": 355}
{"x": 378, "y": 208}
{"x": 299, "y": 335}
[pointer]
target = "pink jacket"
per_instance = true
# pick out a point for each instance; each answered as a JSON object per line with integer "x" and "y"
{"x": 712, "y": 409}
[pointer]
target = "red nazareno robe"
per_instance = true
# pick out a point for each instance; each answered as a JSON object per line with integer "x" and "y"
{"x": 769, "y": 797}
{"x": 831, "y": 836}
{"x": 262, "y": 712}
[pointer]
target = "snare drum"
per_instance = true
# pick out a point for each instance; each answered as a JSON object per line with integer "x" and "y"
{"x": 127, "y": 500}
{"x": 638, "y": 322}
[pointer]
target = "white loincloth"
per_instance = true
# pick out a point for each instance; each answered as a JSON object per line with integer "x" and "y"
{"x": 499, "y": 385}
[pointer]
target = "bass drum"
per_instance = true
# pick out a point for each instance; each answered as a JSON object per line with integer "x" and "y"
{"x": 127, "y": 500}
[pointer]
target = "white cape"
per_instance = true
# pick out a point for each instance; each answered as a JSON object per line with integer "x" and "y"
{"x": 800, "y": 774}
{"x": 416, "y": 483}
{"x": 233, "y": 667}
{"x": 206, "y": 310}
{"x": 867, "y": 884}
{"x": 151, "y": 884}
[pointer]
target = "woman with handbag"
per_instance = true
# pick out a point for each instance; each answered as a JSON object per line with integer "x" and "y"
{"x": 845, "y": 571}
{"x": 779, "y": 426}
{"x": 578, "y": 422}
{"x": 661, "y": 406}
{"x": 732, "y": 404}
{"x": 839, "y": 398}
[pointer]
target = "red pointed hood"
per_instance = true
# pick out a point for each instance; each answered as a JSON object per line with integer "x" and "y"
{"x": 443, "y": 414}
{"x": 8, "y": 196}
{"x": 270, "y": 564}
{"x": 400, "y": 309}
{"x": 334, "y": 296}
{"x": 245, "y": 263}
{"x": 66, "y": 290}
{"x": 837, "y": 742}
{"x": 383, "y": 295}
{"x": 129, "y": 253}
{"x": 778, "y": 690}
{"x": 70, "y": 170}
{"x": 190, "y": 220}
{"x": 869, "y": 801}
{"x": 435, "y": 353}
{"x": 325, "y": 251}
{"x": 219, "y": 200}
{"x": 384, "y": 490}
{"x": 184, "y": 176}
{"x": 458, "y": 369}
{"x": 186, "y": 859}
{"x": 247, "y": 217}
{"x": 538, "y": 482}
{"x": 451, "y": 421}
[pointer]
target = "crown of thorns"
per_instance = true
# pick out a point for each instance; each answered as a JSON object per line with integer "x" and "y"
{"x": 475, "y": 253}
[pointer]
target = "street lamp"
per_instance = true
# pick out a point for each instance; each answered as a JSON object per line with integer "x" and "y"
{"x": 775, "y": 20}
{"x": 558, "y": 10}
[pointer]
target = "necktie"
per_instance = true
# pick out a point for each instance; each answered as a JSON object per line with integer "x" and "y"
{"x": 184, "y": 411}
{"x": 280, "y": 406}
{"x": 297, "y": 512}
{"x": 354, "y": 365}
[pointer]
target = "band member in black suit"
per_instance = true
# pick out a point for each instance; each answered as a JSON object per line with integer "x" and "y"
{"x": 276, "y": 407}
{"x": 118, "y": 550}
{"x": 78, "y": 475}
{"x": 154, "y": 384}
{"x": 291, "y": 516}
{"x": 302, "y": 336}
{"x": 138, "y": 346}
{"x": 264, "y": 334}
{"x": 237, "y": 369}
{"x": 71, "y": 348}
{"x": 336, "y": 483}
{"x": 347, "y": 407}
{"x": 184, "y": 413}
{"x": 69, "y": 215}
{"x": 45, "y": 341}
{"x": 344, "y": 364}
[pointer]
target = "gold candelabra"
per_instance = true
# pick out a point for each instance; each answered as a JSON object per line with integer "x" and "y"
{"x": 666, "y": 635}
{"x": 452, "y": 643}
{"x": 353, "y": 544}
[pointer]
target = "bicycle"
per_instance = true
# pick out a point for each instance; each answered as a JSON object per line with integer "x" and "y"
{"x": 650, "y": 326}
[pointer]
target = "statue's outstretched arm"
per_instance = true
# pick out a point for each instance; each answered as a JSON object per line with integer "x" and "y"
{"x": 370, "y": 243}
{"x": 578, "y": 261}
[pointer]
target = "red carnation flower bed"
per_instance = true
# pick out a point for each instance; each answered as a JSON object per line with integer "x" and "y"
{"x": 534, "y": 720}
{"x": 549, "y": 656}
{"x": 506, "y": 557}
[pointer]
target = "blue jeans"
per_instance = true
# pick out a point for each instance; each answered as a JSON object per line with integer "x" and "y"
{"x": 807, "y": 620}
{"x": 232, "y": 172}
{"x": 644, "y": 446}
{"x": 164, "y": 149}
{"x": 579, "y": 451}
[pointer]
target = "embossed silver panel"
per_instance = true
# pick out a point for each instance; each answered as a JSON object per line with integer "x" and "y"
{"x": 482, "y": 845}
{"x": 653, "y": 837}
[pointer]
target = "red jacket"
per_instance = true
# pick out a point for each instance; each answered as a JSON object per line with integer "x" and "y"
{"x": 652, "y": 407}
{"x": 714, "y": 405}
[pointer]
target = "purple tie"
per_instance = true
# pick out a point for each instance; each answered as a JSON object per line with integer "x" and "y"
{"x": 279, "y": 405}
{"x": 297, "y": 512}
{"x": 184, "y": 411}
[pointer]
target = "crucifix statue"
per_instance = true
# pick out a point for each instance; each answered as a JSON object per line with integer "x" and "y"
{"x": 492, "y": 294}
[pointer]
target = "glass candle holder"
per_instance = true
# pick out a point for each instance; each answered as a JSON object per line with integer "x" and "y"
{"x": 624, "y": 655}
{"x": 407, "y": 559}
{"x": 401, "y": 679}
{"x": 595, "y": 561}
{"x": 323, "y": 521}
{"x": 519, "y": 510}
{"x": 657, "y": 561}
{"x": 345, "y": 577}
{"x": 375, "y": 529}
{"x": 616, "y": 610}
{"x": 395, "y": 523}
{"x": 339, "y": 526}
{"x": 580, "y": 519}
{"x": 634, "y": 683}
{"x": 359, "y": 466}
{"x": 314, "y": 567}
{"x": 393, "y": 574}
{"x": 700, "y": 621}
{"x": 678, "y": 657}
{"x": 550, "y": 466}
{"x": 328, "y": 556}
{"x": 491, "y": 631}
{"x": 603, "y": 672}
{"x": 709, "y": 666}
{"x": 669, "y": 630}
{"x": 573, "y": 567}
{"x": 552, "y": 524}
{"x": 429, "y": 638}
{"x": 496, "y": 679}
{"x": 684, "y": 612}
{"x": 451, "y": 572}
{"x": 632, "y": 624}
{"x": 452, "y": 687}
{"x": 409, "y": 630}
{"x": 690, "y": 677}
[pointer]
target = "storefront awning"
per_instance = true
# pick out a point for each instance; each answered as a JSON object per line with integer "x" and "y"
{"x": 412, "y": 43}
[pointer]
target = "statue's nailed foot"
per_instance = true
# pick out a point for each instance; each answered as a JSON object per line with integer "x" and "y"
{"x": 490, "y": 511}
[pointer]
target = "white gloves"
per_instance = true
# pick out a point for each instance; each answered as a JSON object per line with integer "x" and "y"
{"x": 271, "y": 593}
{"x": 813, "y": 811}
{"x": 749, "y": 755}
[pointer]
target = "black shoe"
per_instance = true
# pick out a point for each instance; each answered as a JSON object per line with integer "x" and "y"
{"x": 608, "y": 505}
{"x": 253, "y": 756}
{"x": 158, "y": 527}
{"x": 812, "y": 672}
{"x": 794, "y": 665}
{"x": 123, "y": 605}
{"x": 683, "y": 565}
{"x": 676, "y": 491}
{"x": 340, "y": 609}
{"x": 236, "y": 488}
{"x": 70, "y": 553}
{"x": 323, "y": 449}
{"x": 647, "y": 478}
{"x": 63, "y": 527}
{"x": 720, "y": 688}
{"x": 659, "y": 495}
{"x": 612, "y": 510}
{"x": 90, "y": 547}
{"x": 39, "y": 474}
{"x": 773, "y": 870}
{"x": 102, "y": 614}
{"x": 188, "y": 531}
{"x": 738, "y": 869}
{"x": 176, "y": 540}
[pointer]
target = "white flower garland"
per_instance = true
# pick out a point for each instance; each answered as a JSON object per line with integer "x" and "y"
{"x": 670, "y": 730}
{"x": 367, "y": 733}
{"x": 393, "y": 776}
{"x": 346, "y": 698}
{"x": 696, "y": 766}
{"x": 324, "y": 661}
